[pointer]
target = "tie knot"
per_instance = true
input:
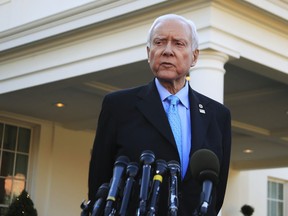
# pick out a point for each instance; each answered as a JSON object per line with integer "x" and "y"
{"x": 173, "y": 100}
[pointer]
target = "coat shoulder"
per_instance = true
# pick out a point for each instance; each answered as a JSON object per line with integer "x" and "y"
{"x": 124, "y": 97}
{"x": 209, "y": 102}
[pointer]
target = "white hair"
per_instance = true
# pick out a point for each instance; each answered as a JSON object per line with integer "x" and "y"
{"x": 194, "y": 34}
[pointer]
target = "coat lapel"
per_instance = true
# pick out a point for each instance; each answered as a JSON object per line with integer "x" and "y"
{"x": 151, "y": 107}
{"x": 200, "y": 120}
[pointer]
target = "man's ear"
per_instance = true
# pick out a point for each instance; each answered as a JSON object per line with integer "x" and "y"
{"x": 195, "y": 57}
{"x": 148, "y": 53}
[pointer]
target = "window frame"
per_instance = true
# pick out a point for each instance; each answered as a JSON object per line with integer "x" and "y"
{"x": 284, "y": 199}
{"x": 30, "y": 154}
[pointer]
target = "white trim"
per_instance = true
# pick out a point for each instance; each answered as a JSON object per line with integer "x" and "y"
{"x": 73, "y": 69}
{"x": 276, "y": 7}
{"x": 4, "y": 2}
{"x": 69, "y": 20}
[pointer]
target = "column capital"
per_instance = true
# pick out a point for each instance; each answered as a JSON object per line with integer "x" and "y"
{"x": 210, "y": 58}
{"x": 207, "y": 76}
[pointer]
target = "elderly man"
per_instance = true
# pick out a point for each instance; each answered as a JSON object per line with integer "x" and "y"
{"x": 138, "y": 119}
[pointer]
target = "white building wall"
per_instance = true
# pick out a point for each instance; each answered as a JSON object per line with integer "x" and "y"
{"x": 69, "y": 173}
{"x": 233, "y": 191}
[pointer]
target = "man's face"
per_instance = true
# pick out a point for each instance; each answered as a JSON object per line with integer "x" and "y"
{"x": 170, "y": 55}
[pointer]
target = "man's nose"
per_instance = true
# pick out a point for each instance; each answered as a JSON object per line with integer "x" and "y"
{"x": 168, "y": 50}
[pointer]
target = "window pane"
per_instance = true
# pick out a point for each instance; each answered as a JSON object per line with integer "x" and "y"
{"x": 3, "y": 211}
{"x": 23, "y": 140}
{"x": 10, "y": 136}
{"x": 280, "y": 209}
{"x": 21, "y": 164}
{"x": 273, "y": 208}
{"x": 269, "y": 207}
{"x": 4, "y": 196}
{"x": 7, "y": 164}
{"x": 7, "y": 193}
{"x": 273, "y": 190}
{"x": 280, "y": 191}
{"x": 269, "y": 189}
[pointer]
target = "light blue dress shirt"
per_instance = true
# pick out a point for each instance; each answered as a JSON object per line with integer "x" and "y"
{"x": 184, "y": 112}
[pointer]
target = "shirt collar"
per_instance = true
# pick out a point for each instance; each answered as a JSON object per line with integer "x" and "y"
{"x": 182, "y": 94}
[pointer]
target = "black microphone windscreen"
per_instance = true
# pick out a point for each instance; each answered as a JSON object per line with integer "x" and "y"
{"x": 205, "y": 165}
{"x": 174, "y": 164}
{"x": 147, "y": 157}
{"x": 103, "y": 190}
{"x": 132, "y": 169}
{"x": 122, "y": 161}
{"x": 161, "y": 167}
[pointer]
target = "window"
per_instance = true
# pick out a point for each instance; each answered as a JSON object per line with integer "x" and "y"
{"x": 275, "y": 198}
{"x": 14, "y": 159}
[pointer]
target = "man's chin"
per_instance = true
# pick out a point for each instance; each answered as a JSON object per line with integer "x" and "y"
{"x": 167, "y": 75}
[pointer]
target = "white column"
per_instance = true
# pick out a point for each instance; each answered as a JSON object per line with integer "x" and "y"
{"x": 207, "y": 77}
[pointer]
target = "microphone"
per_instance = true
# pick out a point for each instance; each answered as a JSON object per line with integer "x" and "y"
{"x": 147, "y": 158}
{"x": 131, "y": 172}
{"x": 173, "y": 202}
{"x": 101, "y": 196}
{"x": 160, "y": 170}
{"x": 85, "y": 206}
{"x": 205, "y": 168}
{"x": 118, "y": 171}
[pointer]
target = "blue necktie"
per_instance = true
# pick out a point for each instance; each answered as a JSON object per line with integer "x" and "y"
{"x": 175, "y": 123}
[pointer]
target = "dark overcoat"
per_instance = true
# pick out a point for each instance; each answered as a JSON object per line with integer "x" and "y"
{"x": 134, "y": 120}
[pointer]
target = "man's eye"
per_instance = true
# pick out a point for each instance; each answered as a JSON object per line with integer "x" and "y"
{"x": 180, "y": 44}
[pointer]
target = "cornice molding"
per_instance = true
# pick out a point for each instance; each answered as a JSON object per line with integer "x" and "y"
{"x": 71, "y": 20}
{"x": 218, "y": 35}
{"x": 99, "y": 12}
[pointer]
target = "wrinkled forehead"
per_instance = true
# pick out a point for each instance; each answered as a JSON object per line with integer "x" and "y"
{"x": 173, "y": 26}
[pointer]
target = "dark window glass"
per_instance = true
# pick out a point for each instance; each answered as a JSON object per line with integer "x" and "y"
{"x": 10, "y": 136}
{"x": 21, "y": 164}
{"x": 7, "y": 164}
{"x": 24, "y": 140}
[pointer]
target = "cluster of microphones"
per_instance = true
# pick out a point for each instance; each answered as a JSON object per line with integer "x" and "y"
{"x": 204, "y": 166}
